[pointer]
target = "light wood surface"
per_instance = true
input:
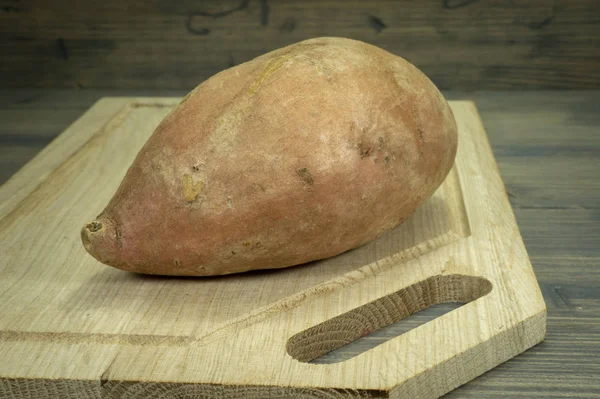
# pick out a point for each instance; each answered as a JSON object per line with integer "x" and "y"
{"x": 81, "y": 327}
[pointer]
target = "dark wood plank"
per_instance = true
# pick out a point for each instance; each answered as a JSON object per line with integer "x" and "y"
{"x": 553, "y": 181}
{"x": 459, "y": 44}
{"x": 35, "y": 125}
{"x": 60, "y": 99}
{"x": 572, "y": 268}
{"x": 560, "y": 232}
{"x": 15, "y": 156}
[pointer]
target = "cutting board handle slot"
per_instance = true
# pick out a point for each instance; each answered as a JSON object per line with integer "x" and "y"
{"x": 364, "y": 320}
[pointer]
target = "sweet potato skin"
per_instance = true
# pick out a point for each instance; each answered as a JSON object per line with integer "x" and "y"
{"x": 300, "y": 154}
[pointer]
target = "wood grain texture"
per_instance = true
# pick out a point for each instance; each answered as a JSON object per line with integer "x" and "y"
{"x": 85, "y": 323}
{"x": 459, "y": 44}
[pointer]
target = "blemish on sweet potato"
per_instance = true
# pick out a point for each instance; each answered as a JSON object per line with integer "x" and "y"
{"x": 306, "y": 177}
{"x": 190, "y": 189}
{"x": 272, "y": 67}
{"x": 420, "y": 140}
{"x": 364, "y": 150}
{"x": 258, "y": 188}
{"x": 156, "y": 165}
{"x": 391, "y": 157}
{"x": 119, "y": 236}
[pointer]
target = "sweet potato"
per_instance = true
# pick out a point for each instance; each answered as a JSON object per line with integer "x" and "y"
{"x": 300, "y": 154}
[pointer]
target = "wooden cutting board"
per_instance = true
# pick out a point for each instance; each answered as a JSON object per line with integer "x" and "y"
{"x": 72, "y": 327}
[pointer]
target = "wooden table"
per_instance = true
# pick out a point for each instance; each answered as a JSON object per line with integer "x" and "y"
{"x": 547, "y": 145}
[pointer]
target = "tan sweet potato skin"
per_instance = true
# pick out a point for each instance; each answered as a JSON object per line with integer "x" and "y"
{"x": 297, "y": 155}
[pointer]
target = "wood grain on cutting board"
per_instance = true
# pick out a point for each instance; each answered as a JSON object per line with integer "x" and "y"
{"x": 78, "y": 327}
